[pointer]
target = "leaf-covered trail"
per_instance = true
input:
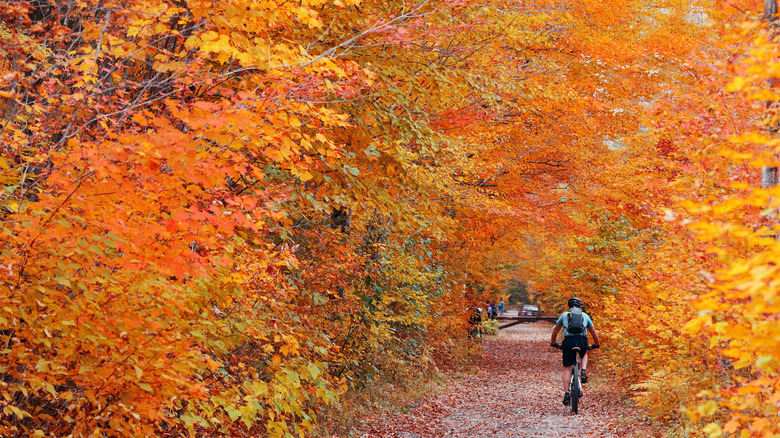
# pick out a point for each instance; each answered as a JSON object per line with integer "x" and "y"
{"x": 515, "y": 393}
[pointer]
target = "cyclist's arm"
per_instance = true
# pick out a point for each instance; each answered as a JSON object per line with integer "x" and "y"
{"x": 592, "y": 331}
{"x": 555, "y": 332}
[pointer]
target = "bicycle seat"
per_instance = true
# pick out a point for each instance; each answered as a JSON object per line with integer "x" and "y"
{"x": 575, "y": 349}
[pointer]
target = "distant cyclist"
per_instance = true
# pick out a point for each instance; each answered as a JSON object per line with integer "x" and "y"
{"x": 574, "y": 323}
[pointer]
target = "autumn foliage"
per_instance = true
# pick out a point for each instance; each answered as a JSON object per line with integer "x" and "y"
{"x": 677, "y": 259}
{"x": 220, "y": 218}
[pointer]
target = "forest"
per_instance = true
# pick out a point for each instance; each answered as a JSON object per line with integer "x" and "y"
{"x": 235, "y": 218}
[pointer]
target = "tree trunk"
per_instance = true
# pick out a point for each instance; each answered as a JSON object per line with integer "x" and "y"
{"x": 769, "y": 174}
{"x": 770, "y": 10}
{"x": 768, "y": 177}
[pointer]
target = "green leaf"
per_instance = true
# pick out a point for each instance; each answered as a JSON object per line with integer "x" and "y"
{"x": 353, "y": 170}
{"x": 233, "y": 413}
{"x": 315, "y": 372}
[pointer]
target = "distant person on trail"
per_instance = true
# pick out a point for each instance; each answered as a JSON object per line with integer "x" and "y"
{"x": 574, "y": 322}
{"x": 488, "y": 310}
{"x": 501, "y": 306}
{"x": 475, "y": 319}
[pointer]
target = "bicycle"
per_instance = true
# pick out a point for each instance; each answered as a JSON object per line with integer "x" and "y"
{"x": 575, "y": 386}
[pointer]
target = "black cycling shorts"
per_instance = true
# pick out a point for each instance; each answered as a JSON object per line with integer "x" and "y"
{"x": 569, "y": 355}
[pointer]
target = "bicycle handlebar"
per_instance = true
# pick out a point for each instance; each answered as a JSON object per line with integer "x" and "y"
{"x": 590, "y": 347}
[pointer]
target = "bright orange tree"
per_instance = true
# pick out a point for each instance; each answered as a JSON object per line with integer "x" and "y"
{"x": 140, "y": 139}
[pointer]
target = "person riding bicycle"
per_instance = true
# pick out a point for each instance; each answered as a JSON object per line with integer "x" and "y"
{"x": 577, "y": 339}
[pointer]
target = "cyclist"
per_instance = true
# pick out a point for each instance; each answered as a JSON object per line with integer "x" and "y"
{"x": 570, "y": 341}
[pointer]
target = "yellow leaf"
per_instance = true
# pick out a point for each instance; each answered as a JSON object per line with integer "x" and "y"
{"x": 209, "y": 36}
{"x": 713, "y": 430}
{"x": 736, "y": 84}
{"x": 192, "y": 42}
{"x": 707, "y": 408}
{"x": 693, "y": 326}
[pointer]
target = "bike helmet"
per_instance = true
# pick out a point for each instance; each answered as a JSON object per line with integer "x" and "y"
{"x": 574, "y": 302}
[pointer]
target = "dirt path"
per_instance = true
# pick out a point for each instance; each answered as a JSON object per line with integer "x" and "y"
{"x": 516, "y": 393}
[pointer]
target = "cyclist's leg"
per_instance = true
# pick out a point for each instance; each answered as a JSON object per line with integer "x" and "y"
{"x": 566, "y": 378}
{"x": 584, "y": 361}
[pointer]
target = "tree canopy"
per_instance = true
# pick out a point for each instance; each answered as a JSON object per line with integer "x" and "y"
{"x": 221, "y": 217}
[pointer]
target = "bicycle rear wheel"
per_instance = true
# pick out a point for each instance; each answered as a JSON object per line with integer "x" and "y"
{"x": 575, "y": 388}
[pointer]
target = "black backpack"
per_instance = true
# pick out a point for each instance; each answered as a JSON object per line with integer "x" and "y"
{"x": 576, "y": 322}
